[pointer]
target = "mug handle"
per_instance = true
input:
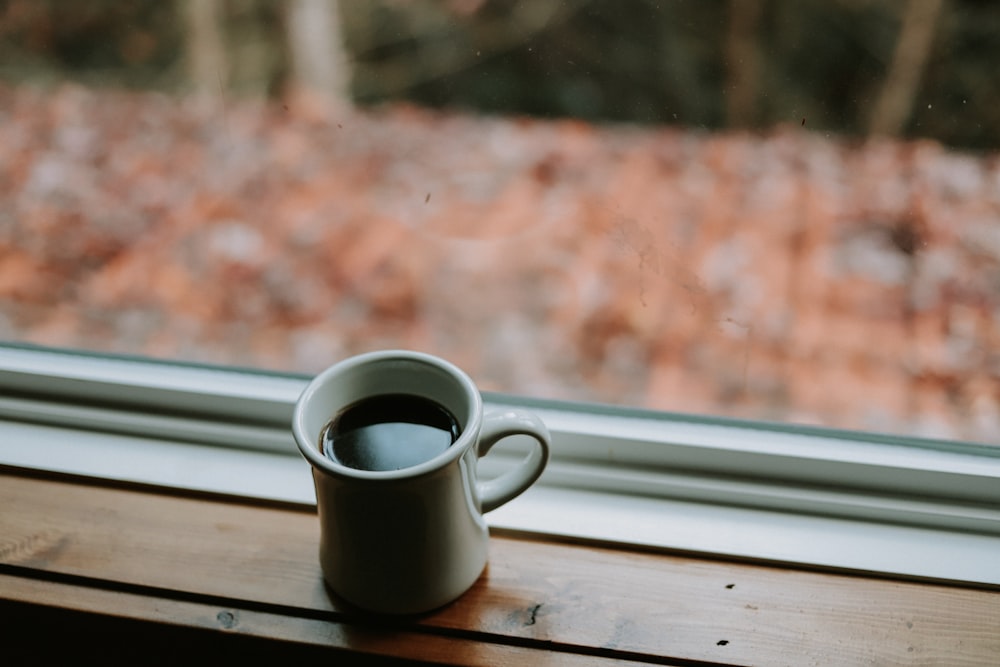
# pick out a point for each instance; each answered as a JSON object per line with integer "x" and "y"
{"x": 506, "y": 487}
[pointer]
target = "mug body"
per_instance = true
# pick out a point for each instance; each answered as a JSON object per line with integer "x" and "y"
{"x": 399, "y": 541}
{"x": 405, "y": 547}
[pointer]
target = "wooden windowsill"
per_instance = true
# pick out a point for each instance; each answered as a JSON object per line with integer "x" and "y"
{"x": 230, "y": 567}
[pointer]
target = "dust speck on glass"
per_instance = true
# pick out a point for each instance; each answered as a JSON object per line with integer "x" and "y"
{"x": 784, "y": 210}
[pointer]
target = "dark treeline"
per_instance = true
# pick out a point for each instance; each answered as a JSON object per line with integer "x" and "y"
{"x": 917, "y": 68}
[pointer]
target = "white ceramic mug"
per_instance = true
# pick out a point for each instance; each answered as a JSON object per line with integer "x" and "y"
{"x": 409, "y": 540}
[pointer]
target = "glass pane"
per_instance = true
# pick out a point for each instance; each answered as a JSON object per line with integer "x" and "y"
{"x": 776, "y": 210}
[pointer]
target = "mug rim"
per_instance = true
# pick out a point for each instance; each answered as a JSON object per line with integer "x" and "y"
{"x": 320, "y": 462}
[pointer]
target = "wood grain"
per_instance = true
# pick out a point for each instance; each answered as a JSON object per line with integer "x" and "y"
{"x": 581, "y": 601}
{"x": 230, "y": 619}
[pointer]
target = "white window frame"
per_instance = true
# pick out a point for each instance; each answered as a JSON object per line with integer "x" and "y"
{"x": 786, "y": 494}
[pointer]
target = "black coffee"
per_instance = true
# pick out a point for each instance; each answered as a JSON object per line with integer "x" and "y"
{"x": 389, "y": 432}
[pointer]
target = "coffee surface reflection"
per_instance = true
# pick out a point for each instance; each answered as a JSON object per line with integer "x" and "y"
{"x": 389, "y": 432}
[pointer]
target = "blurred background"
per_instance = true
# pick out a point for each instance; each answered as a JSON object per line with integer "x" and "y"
{"x": 764, "y": 209}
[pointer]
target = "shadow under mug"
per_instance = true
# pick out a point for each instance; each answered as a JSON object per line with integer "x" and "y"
{"x": 409, "y": 540}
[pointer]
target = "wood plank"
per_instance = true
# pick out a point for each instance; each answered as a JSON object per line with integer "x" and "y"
{"x": 355, "y": 638}
{"x": 623, "y": 604}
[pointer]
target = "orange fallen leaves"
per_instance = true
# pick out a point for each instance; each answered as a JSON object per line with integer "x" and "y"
{"x": 754, "y": 276}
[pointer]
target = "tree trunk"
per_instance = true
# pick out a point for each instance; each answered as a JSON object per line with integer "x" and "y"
{"x": 206, "y": 52}
{"x": 895, "y": 102}
{"x": 319, "y": 62}
{"x": 743, "y": 63}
